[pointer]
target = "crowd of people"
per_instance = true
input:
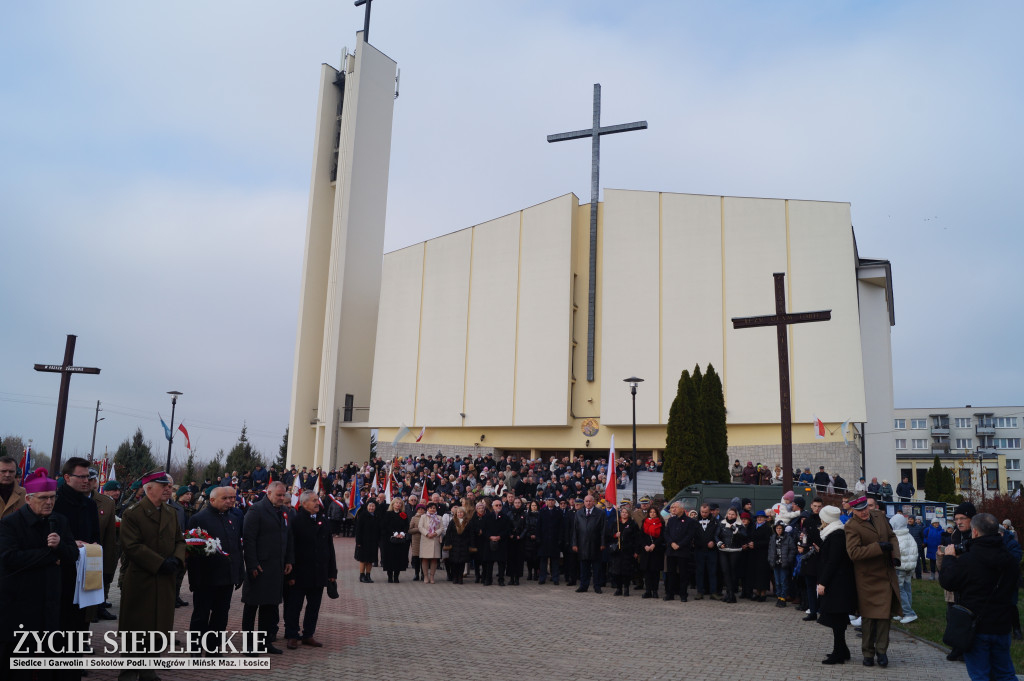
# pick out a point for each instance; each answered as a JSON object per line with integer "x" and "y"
{"x": 486, "y": 522}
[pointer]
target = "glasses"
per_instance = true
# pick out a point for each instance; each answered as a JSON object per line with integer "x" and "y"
{"x": 80, "y": 477}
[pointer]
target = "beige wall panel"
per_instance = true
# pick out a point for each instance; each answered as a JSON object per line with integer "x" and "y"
{"x": 691, "y": 289}
{"x": 442, "y": 362}
{"x": 394, "y": 366}
{"x": 755, "y": 247}
{"x": 827, "y": 371}
{"x": 629, "y": 305}
{"x": 544, "y": 319}
{"x": 491, "y": 346}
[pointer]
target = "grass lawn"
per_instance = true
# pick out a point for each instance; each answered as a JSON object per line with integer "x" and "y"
{"x": 930, "y": 607}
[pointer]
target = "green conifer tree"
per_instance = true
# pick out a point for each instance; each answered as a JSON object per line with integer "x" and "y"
{"x": 715, "y": 429}
{"x": 671, "y": 468}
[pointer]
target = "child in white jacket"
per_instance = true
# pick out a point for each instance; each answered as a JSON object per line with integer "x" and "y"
{"x": 905, "y": 571}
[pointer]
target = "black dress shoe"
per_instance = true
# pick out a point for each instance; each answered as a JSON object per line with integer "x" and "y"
{"x": 106, "y": 604}
{"x": 869, "y": 662}
{"x": 883, "y": 660}
{"x": 597, "y": 589}
{"x": 179, "y": 603}
{"x": 274, "y": 650}
{"x": 813, "y": 617}
{"x": 105, "y": 614}
{"x": 581, "y": 589}
{"x": 834, "y": 659}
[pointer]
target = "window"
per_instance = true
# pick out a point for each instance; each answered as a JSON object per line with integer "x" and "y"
{"x": 964, "y": 443}
{"x": 922, "y": 473}
{"x": 1013, "y": 464}
{"x": 350, "y": 401}
{"x": 1005, "y": 421}
{"x": 940, "y": 422}
{"x": 919, "y": 444}
{"x": 1006, "y": 442}
{"x": 992, "y": 478}
{"x": 1011, "y": 484}
{"x": 901, "y": 443}
{"x": 965, "y": 478}
{"x": 918, "y": 424}
{"x": 962, "y": 422}
{"x": 986, "y": 441}
{"x": 899, "y": 424}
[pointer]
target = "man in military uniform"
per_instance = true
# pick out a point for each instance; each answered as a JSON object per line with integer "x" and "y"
{"x": 12, "y": 496}
{"x": 154, "y": 550}
{"x": 108, "y": 540}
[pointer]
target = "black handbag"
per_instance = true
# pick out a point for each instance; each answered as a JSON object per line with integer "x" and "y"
{"x": 960, "y": 624}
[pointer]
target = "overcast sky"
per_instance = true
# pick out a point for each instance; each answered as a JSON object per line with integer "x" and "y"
{"x": 156, "y": 163}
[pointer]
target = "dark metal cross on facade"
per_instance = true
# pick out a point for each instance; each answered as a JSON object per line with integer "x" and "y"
{"x": 780, "y": 320}
{"x": 594, "y": 133}
{"x": 366, "y": 19}
{"x": 65, "y": 370}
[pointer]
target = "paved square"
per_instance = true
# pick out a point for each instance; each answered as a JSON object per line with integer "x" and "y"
{"x": 442, "y": 631}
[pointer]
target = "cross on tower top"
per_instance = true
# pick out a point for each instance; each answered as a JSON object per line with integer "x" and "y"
{"x": 366, "y": 18}
{"x": 594, "y": 133}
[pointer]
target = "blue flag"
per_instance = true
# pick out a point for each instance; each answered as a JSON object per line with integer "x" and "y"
{"x": 167, "y": 431}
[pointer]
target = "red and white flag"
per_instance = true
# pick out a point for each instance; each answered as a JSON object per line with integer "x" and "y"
{"x": 610, "y": 495}
{"x": 819, "y": 429}
{"x": 387, "y": 485}
{"x": 422, "y": 431}
{"x": 188, "y": 443}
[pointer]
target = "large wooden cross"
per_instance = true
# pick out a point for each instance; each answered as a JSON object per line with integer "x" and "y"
{"x": 65, "y": 370}
{"x": 780, "y": 320}
{"x": 594, "y": 133}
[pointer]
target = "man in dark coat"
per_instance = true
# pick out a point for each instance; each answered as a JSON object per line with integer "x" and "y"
{"x": 212, "y": 578}
{"x": 83, "y": 517}
{"x": 153, "y": 548}
{"x": 497, "y": 528}
{"x": 680, "y": 534}
{"x": 821, "y": 480}
{"x": 315, "y": 566}
{"x": 588, "y": 541}
{"x": 905, "y": 490}
{"x": 571, "y": 561}
{"x": 34, "y": 545}
{"x": 985, "y": 579}
{"x": 268, "y": 547}
{"x": 549, "y": 531}
{"x": 705, "y": 553}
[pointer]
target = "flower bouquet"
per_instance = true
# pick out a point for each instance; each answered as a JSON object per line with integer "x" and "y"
{"x": 198, "y": 541}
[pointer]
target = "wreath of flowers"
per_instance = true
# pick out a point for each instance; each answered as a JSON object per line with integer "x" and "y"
{"x": 199, "y": 541}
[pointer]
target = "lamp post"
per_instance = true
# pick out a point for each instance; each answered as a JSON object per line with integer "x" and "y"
{"x": 96, "y": 422}
{"x": 170, "y": 441}
{"x": 633, "y": 382}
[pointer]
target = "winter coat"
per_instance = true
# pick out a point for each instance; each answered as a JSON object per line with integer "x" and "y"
{"x": 707, "y": 530}
{"x": 14, "y": 502}
{"x": 835, "y": 573}
{"x": 681, "y": 531}
{"x": 549, "y": 530}
{"x": 886, "y": 492}
{"x": 730, "y": 537}
{"x": 496, "y": 525}
{"x": 217, "y": 569}
{"x": 458, "y": 539}
{"x": 985, "y": 579}
{"x": 908, "y": 547}
{"x": 808, "y": 538}
{"x": 367, "y": 533}
{"x": 588, "y": 533}
{"x": 108, "y": 531}
{"x": 531, "y": 538}
{"x": 30, "y": 577}
{"x": 414, "y": 535}
{"x": 394, "y": 556}
{"x": 623, "y": 547}
{"x": 932, "y": 540}
{"x": 878, "y": 591}
{"x": 781, "y": 550}
{"x": 267, "y": 544}
{"x": 430, "y": 547}
{"x": 315, "y": 561}
{"x": 653, "y": 560}
{"x": 149, "y": 535}
{"x": 750, "y": 475}
{"x": 737, "y": 474}
{"x": 905, "y": 490}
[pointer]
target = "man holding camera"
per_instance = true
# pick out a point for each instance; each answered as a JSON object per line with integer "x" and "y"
{"x": 870, "y": 542}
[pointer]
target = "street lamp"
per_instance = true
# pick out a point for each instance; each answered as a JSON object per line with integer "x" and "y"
{"x": 170, "y": 441}
{"x": 633, "y": 382}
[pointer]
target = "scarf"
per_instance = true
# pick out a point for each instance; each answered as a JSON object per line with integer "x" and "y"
{"x": 652, "y": 528}
{"x": 460, "y": 525}
{"x": 830, "y": 528}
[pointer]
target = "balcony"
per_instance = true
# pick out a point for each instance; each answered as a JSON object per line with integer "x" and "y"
{"x": 940, "y": 429}
{"x": 985, "y": 428}
{"x": 940, "y": 448}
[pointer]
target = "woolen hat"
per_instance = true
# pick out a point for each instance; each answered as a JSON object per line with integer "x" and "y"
{"x": 112, "y": 485}
{"x": 967, "y": 509}
{"x": 182, "y": 491}
{"x": 788, "y": 496}
{"x": 829, "y": 514}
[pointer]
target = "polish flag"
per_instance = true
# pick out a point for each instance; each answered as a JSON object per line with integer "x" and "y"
{"x": 422, "y": 431}
{"x": 423, "y": 495}
{"x": 188, "y": 443}
{"x": 819, "y": 429}
{"x": 387, "y": 486}
{"x": 610, "y": 495}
